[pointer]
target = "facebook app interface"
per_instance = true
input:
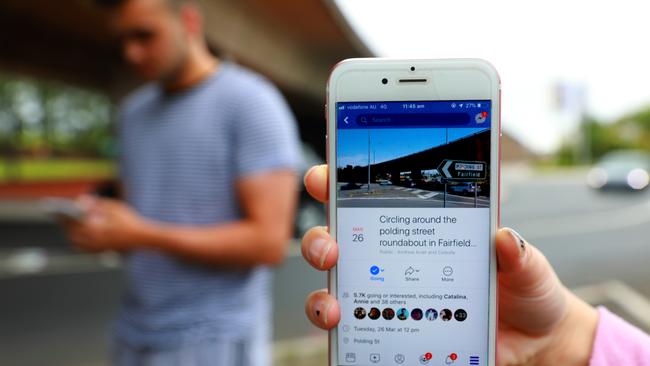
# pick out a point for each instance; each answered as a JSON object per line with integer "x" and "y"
{"x": 413, "y": 225}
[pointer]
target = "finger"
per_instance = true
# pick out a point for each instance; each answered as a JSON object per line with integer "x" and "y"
{"x": 70, "y": 224}
{"x": 319, "y": 249}
{"x": 108, "y": 203}
{"x": 81, "y": 231}
{"x": 86, "y": 202}
{"x": 520, "y": 264}
{"x": 79, "y": 234}
{"x": 322, "y": 309}
{"x": 105, "y": 208}
{"x": 527, "y": 283}
{"x": 511, "y": 249}
{"x": 316, "y": 182}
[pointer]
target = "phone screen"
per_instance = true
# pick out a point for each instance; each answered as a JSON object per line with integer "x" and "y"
{"x": 413, "y": 225}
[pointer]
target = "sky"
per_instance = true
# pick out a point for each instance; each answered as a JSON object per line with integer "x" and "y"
{"x": 596, "y": 51}
{"x": 390, "y": 143}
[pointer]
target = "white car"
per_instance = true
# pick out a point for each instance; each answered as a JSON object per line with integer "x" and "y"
{"x": 627, "y": 169}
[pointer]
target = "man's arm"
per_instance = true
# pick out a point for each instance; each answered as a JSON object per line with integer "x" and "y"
{"x": 268, "y": 201}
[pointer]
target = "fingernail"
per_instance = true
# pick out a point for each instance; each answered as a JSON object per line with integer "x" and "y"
{"x": 304, "y": 178}
{"x": 319, "y": 250}
{"x": 520, "y": 240}
{"x": 321, "y": 309}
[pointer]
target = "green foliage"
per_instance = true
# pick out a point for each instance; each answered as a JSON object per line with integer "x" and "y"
{"x": 596, "y": 138}
{"x": 54, "y": 169}
{"x": 46, "y": 118}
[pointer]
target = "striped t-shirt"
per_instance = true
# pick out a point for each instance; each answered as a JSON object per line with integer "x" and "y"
{"x": 181, "y": 155}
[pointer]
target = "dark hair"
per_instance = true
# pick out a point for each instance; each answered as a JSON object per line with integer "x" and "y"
{"x": 109, "y": 4}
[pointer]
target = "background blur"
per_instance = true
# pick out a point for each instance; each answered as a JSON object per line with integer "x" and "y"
{"x": 574, "y": 89}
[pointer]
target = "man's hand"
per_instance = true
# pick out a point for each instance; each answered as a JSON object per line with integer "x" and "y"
{"x": 107, "y": 225}
{"x": 540, "y": 321}
{"x": 260, "y": 237}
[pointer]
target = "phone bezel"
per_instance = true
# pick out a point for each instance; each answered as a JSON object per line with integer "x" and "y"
{"x": 360, "y": 80}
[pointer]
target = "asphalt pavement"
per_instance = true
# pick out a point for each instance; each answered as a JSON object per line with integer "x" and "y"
{"x": 398, "y": 196}
{"x": 589, "y": 236}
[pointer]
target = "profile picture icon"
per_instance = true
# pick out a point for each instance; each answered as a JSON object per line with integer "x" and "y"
{"x": 431, "y": 314}
{"x": 416, "y": 314}
{"x": 374, "y": 313}
{"x": 388, "y": 313}
{"x": 460, "y": 315}
{"x": 445, "y": 315}
{"x": 359, "y": 313}
{"x": 402, "y": 314}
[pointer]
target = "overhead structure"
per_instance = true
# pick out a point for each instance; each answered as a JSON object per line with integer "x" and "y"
{"x": 294, "y": 43}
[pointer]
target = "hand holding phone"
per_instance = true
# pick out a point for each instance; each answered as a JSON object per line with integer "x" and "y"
{"x": 532, "y": 300}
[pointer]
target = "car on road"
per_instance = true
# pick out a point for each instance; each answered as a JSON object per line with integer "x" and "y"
{"x": 464, "y": 188}
{"x": 385, "y": 182}
{"x": 626, "y": 169}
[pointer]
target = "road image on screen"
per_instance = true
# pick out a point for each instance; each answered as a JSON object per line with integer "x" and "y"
{"x": 415, "y": 166}
{"x": 413, "y": 214}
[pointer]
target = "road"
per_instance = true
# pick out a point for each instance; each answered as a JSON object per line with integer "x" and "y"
{"x": 588, "y": 236}
{"x": 62, "y": 317}
{"x": 396, "y": 196}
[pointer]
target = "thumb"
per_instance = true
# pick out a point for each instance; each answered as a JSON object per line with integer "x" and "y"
{"x": 531, "y": 297}
{"x": 522, "y": 267}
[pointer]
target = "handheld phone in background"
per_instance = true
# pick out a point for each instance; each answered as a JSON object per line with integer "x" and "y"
{"x": 63, "y": 208}
{"x": 413, "y": 153}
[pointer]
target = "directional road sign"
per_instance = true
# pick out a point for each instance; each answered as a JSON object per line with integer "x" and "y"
{"x": 462, "y": 170}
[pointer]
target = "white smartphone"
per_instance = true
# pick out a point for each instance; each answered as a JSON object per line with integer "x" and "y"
{"x": 413, "y": 153}
{"x": 63, "y": 208}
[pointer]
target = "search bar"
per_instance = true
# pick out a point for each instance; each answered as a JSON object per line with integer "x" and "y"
{"x": 414, "y": 119}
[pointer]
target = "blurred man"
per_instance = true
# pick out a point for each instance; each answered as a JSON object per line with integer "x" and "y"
{"x": 208, "y": 153}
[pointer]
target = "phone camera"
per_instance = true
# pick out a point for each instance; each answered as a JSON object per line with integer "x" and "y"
{"x": 412, "y": 68}
{"x": 384, "y": 81}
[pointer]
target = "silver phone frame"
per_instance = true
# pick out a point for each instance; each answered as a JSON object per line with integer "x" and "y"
{"x": 359, "y": 80}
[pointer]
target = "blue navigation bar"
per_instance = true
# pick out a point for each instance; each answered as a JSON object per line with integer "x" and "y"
{"x": 419, "y": 114}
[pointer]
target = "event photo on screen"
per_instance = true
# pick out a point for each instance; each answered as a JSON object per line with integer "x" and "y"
{"x": 413, "y": 167}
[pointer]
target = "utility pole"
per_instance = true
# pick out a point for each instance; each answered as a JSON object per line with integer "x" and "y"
{"x": 444, "y": 194}
{"x": 369, "y": 160}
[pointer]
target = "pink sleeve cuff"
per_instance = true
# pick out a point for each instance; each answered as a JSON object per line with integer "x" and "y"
{"x": 619, "y": 343}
